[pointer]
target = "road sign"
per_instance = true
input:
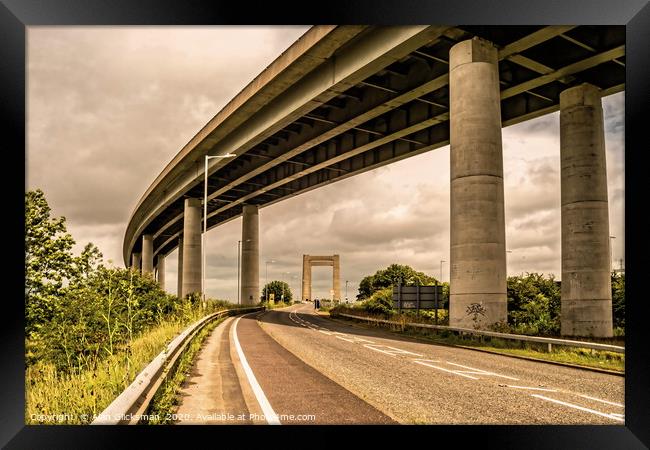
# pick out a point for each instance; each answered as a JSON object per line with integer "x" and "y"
{"x": 417, "y": 297}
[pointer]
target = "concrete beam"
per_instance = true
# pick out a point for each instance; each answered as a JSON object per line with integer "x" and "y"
{"x": 579, "y": 66}
{"x": 191, "y": 247}
{"x": 478, "y": 253}
{"x": 586, "y": 283}
{"x": 250, "y": 256}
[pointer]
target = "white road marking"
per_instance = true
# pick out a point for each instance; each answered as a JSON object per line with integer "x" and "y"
{"x": 424, "y": 363}
{"x": 483, "y": 372}
{"x": 344, "y": 339}
{"x": 269, "y": 414}
{"x": 325, "y": 332}
{"x": 602, "y": 401}
{"x": 532, "y": 388}
{"x": 581, "y": 408}
{"x": 392, "y": 351}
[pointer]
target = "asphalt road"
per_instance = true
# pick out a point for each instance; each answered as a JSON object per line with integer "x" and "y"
{"x": 304, "y": 368}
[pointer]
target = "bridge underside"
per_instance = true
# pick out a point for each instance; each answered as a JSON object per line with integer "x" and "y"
{"x": 398, "y": 111}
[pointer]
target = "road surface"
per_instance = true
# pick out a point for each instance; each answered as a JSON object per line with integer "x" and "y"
{"x": 292, "y": 366}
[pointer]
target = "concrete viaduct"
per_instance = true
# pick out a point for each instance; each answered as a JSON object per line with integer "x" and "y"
{"x": 346, "y": 99}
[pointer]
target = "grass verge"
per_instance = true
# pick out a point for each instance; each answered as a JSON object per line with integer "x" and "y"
{"x": 58, "y": 398}
{"x": 165, "y": 403}
{"x": 568, "y": 355}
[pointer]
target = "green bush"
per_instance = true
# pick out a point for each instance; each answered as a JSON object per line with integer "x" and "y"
{"x": 380, "y": 302}
{"x": 534, "y": 304}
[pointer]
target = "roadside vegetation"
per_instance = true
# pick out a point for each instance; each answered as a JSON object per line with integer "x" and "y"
{"x": 90, "y": 328}
{"x": 533, "y": 309}
{"x": 278, "y": 291}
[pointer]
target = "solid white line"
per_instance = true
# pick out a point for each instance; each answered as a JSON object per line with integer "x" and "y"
{"x": 325, "y": 332}
{"x": 484, "y": 371}
{"x": 532, "y": 388}
{"x": 344, "y": 339}
{"x": 603, "y": 401}
{"x": 581, "y": 408}
{"x": 445, "y": 370}
{"x": 269, "y": 414}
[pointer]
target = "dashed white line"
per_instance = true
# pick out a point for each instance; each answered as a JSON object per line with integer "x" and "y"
{"x": 602, "y": 401}
{"x": 483, "y": 372}
{"x": 581, "y": 408}
{"x": 392, "y": 351}
{"x": 424, "y": 363}
{"x": 532, "y": 388}
{"x": 269, "y": 414}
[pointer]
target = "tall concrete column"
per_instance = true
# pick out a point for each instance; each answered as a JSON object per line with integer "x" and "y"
{"x": 179, "y": 287}
{"x": 306, "y": 278}
{"x": 478, "y": 254}
{"x": 147, "y": 254}
{"x": 160, "y": 267}
{"x": 586, "y": 283}
{"x": 250, "y": 256}
{"x": 135, "y": 261}
{"x": 336, "y": 277}
{"x": 191, "y": 247}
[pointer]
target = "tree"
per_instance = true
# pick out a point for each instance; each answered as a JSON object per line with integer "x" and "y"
{"x": 534, "y": 303}
{"x": 392, "y": 276}
{"x": 277, "y": 288}
{"x": 48, "y": 260}
{"x": 618, "y": 299}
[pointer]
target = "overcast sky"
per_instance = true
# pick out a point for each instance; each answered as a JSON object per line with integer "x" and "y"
{"x": 109, "y": 107}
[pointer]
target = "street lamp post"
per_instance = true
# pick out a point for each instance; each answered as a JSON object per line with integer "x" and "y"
{"x": 507, "y": 251}
{"x": 205, "y": 216}
{"x": 346, "y": 291}
{"x": 441, "y": 261}
{"x": 266, "y": 282}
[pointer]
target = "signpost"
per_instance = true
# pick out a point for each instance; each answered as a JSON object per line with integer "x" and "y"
{"x": 417, "y": 297}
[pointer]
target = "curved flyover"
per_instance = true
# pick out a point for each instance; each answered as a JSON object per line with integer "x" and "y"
{"x": 346, "y": 99}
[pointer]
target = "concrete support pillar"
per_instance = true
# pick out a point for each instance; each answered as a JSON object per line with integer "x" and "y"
{"x": 179, "y": 287}
{"x": 336, "y": 277}
{"x": 250, "y": 256}
{"x": 160, "y": 268}
{"x": 306, "y": 278}
{"x": 586, "y": 283}
{"x": 191, "y": 247}
{"x": 147, "y": 254}
{"x": 135, "y": 261}
{"x": 478, "y": 254}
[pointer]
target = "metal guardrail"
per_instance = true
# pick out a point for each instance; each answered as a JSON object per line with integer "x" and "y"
{"x": 517, "y": 337}
{"x": 132, "y": 403}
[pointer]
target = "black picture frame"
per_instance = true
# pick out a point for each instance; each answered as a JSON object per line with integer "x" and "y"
{"x": 16, "y": 15}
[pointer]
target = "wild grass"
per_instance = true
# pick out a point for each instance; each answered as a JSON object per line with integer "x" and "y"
{"x": 54, "y": 397}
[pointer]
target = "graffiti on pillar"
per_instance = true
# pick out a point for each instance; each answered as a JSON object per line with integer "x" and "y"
{"x": 475, "y": 310}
